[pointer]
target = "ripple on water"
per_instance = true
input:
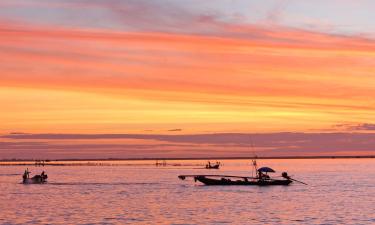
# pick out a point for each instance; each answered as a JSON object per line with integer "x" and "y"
{"x": 97, "y": 195}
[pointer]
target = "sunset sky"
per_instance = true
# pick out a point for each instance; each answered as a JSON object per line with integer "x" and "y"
{"x": 164, "y": 74}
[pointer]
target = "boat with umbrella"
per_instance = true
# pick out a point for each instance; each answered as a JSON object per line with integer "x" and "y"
{"x": 261, "y": 179}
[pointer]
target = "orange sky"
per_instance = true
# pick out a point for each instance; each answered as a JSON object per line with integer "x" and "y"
{"x": 186, "y": 78}
{"x": 97, "y": 81}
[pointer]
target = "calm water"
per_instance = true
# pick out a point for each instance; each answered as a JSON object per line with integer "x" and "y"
{"x": 340, "y": 191}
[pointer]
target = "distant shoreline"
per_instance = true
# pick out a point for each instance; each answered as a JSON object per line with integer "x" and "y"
{"x": 194, "y": 158}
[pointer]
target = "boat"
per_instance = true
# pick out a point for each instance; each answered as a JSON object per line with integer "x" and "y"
{"x": 163, "y": 163}
{"x": 261, "y": 179}
{"x": 215, "y": 166}
{"x": 235, "y": 180}
{"x": 37, "y": 179}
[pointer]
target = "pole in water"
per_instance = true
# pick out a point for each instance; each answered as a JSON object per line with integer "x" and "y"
{"x": 298, "y": 181}
{"x": 286, "y": 176}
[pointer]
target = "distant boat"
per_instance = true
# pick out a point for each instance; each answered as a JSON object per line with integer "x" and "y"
{"x": 39, "y": 162}
{"x": 163, "y": 163}
{"x": 261, "y": 179}
{"x": 37, "y": 179}
{"x": 215, "y": 166}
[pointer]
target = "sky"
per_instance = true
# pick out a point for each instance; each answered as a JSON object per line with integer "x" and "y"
{"x": 160, "y": 71}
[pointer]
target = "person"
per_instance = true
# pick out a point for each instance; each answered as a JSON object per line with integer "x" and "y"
{"x": 43, "y": 176}
{"x": 263, "y": 176}
{"x": 285, "y": 175}
{"x": 260, "y": 175}
{"x": 26, "y": 174}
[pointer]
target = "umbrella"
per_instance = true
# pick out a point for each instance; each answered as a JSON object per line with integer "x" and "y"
{"x": 266, "y": 170}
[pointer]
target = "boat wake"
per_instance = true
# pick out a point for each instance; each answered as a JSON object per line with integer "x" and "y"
{"x": 9, "y": 175}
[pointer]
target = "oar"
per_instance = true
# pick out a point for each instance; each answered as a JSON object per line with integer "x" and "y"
{"x": 297, "y": 181}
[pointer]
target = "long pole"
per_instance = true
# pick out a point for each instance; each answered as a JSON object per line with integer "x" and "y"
{"x": 297, "y": 181}
{"x": 254, "y": 160}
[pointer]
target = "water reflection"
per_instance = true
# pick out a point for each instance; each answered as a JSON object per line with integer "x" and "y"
{"x": 340, "y": 191}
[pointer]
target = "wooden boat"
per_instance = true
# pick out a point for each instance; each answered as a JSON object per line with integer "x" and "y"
{"x": 216, "y": 166}
{"x": 37, "y": 179}
{"x": 262, "y": 178}
{"x": 164, "y": 163}
{"x": 235, "y": 180}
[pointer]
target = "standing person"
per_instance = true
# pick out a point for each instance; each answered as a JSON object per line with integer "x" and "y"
{"x": 260, "y": 175}
{"x": 24, "y": 175}
{"x": 43, "y": 176}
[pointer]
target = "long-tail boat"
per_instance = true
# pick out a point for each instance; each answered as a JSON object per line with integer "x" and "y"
{"x": 262, "y": 178}
{"x": 235, "y": 180}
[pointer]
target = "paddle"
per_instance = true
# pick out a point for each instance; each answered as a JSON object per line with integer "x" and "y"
{"x": 297, "y": 181}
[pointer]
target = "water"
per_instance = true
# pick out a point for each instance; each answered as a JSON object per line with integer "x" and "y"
{"x": 340, "y": 191}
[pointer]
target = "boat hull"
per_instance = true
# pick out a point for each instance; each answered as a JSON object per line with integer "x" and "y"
{"x": 224, "y": 181}
{"x": 35, "y": 180}
{"x": 213, "y": 167}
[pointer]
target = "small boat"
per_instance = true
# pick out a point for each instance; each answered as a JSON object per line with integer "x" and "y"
{"x": 261, "y": 179}
{"x": 164, "y": 163}
{"x": 215, "y": 166}
{"x": 235, "y": 180}
{"x": 37, "y": 179}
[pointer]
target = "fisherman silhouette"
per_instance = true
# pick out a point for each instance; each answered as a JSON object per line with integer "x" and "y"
{"x": 26, "y": 173}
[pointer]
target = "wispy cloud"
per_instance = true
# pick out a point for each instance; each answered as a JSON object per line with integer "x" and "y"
{"x": 131, "y": 66}
{"x": 196, "y": 145}
{"x": 174, "y": 130}
{"x": 230, "y": 88}
{"x": 356, "y": 127}
{"x": 275, "y": 14}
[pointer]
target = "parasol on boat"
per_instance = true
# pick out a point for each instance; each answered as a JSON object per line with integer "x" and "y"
{"x": 266, "y": 170}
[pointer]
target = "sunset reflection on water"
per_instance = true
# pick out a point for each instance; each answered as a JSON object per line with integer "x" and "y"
{"x": 340, "y": 191}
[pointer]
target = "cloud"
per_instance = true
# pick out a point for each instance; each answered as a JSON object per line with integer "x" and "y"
{"x": 125, "y": 16}
{"x": 17, "y": 133}
{"x": 170, "y": 66}
{"x": 357, "y": 127}
{"x": 173, "y": 130}
{"x": 184, "y": 145}
{"x": 365, "y": 126}
{"x": 274, "y": 15}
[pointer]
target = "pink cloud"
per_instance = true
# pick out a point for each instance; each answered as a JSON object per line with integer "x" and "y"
{"x": 194, "y": 145}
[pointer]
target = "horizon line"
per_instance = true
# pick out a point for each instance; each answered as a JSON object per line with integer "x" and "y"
{"x": 194, "y": 158}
